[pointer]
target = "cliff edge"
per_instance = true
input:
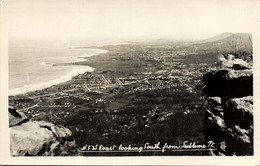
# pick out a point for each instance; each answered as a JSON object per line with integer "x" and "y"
{"x": 228, "y": 109}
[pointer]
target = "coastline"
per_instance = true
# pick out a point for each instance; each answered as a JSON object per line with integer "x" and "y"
{"x": 83, "y": 58}
{"x": 33, "y": 87}
{"x": 76, "y": 70}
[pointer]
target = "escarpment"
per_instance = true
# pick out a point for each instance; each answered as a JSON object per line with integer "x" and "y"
{"x": 228, "y": 109}
{"x": 38, "y": 138}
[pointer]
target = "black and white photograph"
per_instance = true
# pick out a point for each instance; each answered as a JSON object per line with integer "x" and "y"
{"x": 122, "y": 79}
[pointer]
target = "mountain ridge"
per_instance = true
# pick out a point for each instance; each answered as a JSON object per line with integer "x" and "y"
{"x": 214, "y": 38}
{"x": 238, "y": 44}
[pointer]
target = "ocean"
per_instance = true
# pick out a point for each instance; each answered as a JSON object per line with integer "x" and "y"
{"x": 32, "y": 62}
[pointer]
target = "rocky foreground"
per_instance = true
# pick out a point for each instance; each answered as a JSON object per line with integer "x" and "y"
{"x": 38, "y": 138}
{"x": 229, "y": 110}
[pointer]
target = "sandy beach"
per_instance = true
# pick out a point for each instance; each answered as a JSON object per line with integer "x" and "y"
{"x": 75, "y": 70}
{"x": 33, "y": 87}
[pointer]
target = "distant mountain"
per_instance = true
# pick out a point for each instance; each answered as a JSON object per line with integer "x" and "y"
{"x": 239, "y": 44}
{"x": 215, "y": 38}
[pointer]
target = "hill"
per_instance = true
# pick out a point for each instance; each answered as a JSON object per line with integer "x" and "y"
{"x": 239, "y": 44}
{"x": 215, "y": 38}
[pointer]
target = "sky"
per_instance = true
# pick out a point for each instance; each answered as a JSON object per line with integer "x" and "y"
{"x": 128, "y": 18}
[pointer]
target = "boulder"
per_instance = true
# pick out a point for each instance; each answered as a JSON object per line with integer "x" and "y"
{"x": 243, "y": 105}
{"x": 30, "y": 139}
{"x": 232, "y": 62}
{"x": 217, "y": 123}
{"x": 240, "y": 141}
{"x": 233, "y": 74}
{"x": 213, "y": 105}
{"x": 239, "y": 64}
{"x": 227, "y": 83}
{"x": 240, "y": 134}
{"x": 239, "y": 112}
{"x": 38, "y": 138}
{"x": 214, "y": 124}
{"x": 59, "y": 132}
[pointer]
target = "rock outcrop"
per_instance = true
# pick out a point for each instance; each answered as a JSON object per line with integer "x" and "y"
{"x": 228, "y": 109}
{"x": 38, "y": 138}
